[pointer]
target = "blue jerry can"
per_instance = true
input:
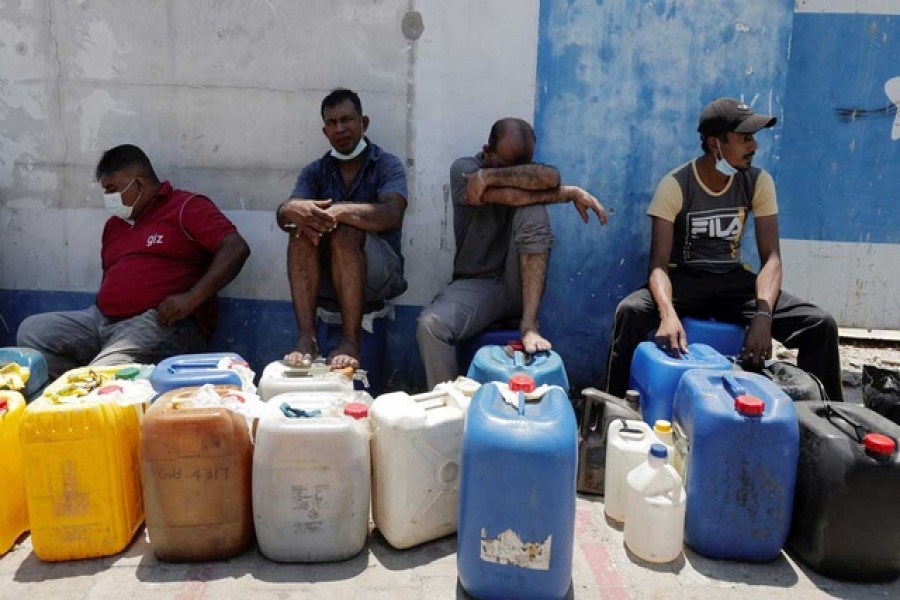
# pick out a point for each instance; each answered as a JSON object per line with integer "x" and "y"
{"x": 738, "y": 440}
{"x": 655, "y": 374}
{"x": 27, "y": 357}
{"x": 187, "y": 370}
{"x": 499, "y": 363}
{"x": 516, "y": 528}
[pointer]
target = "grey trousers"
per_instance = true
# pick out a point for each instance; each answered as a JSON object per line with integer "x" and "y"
{"x": 467, "y": 307}
{"x": 79, "y": 338}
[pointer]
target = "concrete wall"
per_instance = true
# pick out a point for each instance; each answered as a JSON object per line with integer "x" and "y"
{"x": 839, "y": 175}
{"x": 224, "y": 96}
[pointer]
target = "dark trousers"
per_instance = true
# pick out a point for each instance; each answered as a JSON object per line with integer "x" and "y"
{"x": 729, "y": 297}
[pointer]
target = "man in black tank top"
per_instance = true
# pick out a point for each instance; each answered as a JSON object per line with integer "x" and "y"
{"x": 699, "y": 213}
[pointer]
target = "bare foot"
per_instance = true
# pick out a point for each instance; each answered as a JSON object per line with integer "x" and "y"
{"x": 345, "y": 355}
{"x": 304, "y": 353}
{"x": 534, "y": 341}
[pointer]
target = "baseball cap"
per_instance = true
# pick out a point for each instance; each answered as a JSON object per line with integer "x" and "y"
{"x": 727, "y": 114}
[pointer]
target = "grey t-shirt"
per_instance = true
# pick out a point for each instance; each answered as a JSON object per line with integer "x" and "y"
{"x": 482, "y": 232}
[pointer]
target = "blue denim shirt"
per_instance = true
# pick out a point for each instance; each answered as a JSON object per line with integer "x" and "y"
{"x": 381, "y": 173}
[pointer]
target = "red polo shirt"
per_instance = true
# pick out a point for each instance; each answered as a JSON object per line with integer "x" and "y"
{"x": 164, "y": 252}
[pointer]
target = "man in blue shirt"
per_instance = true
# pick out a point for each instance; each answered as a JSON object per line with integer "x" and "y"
{"x": 344, "y": 218}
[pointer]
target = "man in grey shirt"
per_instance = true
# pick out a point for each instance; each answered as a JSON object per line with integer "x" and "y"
{"x": 503, "y": 241}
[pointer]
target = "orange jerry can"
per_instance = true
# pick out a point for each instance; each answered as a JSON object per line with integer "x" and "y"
{"x": 195, "y": 466}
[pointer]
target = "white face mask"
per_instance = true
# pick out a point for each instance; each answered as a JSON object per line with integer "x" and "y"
{"x": 356, "y": 151}
{"x": 114, "y": 205}
{"x": 723, "y": 166}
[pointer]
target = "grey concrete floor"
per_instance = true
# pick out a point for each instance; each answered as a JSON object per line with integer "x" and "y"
{"x": 603, "y": 569}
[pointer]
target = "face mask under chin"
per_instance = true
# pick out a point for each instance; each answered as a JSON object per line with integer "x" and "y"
{"x": 723, "y": 166}
{"x": 350, "y": 156}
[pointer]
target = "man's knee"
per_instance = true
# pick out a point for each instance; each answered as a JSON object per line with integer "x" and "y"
{"x": 32, "y": 331}
{"x": 430, "y": 326}
{"x": 347, "y": 238}
{"x": 531, "y": 231}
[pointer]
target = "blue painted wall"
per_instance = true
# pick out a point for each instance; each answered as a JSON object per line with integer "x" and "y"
{"x": 840, "y": 173}
{"x": 620, "y": 87}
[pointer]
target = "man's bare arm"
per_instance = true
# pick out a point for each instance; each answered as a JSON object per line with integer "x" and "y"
{"x": 384, "y": 215}
{"x": 670, "y": 333}
{"x": 583, "y": 200}
{"x": 532, "y": 176}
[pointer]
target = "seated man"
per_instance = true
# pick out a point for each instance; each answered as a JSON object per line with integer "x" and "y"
{"x": 344, "y": 220}
{"x": 503, "y": 240}
{"x": 165, "y": 254}
{"x": 698, "y": 215}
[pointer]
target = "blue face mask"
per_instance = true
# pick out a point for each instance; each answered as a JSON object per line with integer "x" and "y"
{"x": 723, "y": 166}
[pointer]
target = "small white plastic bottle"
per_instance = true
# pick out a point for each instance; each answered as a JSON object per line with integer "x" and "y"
{"x": 654, "y": 519}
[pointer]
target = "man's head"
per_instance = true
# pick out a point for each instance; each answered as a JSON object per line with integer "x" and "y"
{"x": 727, "y": 127}
{"x": 125, "y": 170}
{"x": 344, "y": 123}
{"x": 511, "y": 142}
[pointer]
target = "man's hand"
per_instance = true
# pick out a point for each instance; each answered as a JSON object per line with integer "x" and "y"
{"x": 309, "y": 218}
{"x": 475, "y": 187}
{"x": 175, "y": 308}
{"x": 758, "y": 342}
{"x": 670, "y": 336}
{"x": 584, "y": 202}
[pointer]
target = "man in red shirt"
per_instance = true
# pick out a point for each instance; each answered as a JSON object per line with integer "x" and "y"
{"x": 165, "y": 255}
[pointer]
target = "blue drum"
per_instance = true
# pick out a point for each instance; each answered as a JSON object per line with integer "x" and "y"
{"x": 27, "y": 357}
{"x": 499, "y": 363}
{"x": 737, "y": 438}
{"x": 187, "y": 370}
{"x": 516, "y": 528}
{"x": 655, "y": 373}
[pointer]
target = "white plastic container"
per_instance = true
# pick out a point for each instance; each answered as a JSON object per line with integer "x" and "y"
{"x": 628, "y": 442}
{"x": 278, "y": 378}
{"x": 654, "y": 515}
{"x": 415, "y": 462}
{"x": 311, "y": 480}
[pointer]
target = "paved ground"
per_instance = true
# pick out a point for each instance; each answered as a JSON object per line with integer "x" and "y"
{"x": 603, "y": 569}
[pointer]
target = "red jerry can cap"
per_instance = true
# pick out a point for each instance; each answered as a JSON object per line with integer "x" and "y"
{"x": 520, "y": 382}
{"x": 516, "y": 345}
{"x": 4, "y": 403}
{"x": 749, "y": 405}
{"x": 356, "y": 410}
{"x": 879, "y": 444}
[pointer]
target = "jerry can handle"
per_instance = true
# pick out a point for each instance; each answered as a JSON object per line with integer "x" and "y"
{"x": 732, "y": 386}
{"x": 591, "y": 406}
{"x": 519, "y": 359}
{"x": 521, "y": 401}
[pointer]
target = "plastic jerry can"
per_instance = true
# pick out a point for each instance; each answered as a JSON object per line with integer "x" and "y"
{"x": 82, "y": 484}
{"x": 726, "y": 338}
{"x": 628, "y": 442}
{"x": 738, "y": 436}
{"x": 655, "y": 375}
{"x": 192, "y": 370}
{"x": 78, "y": 383}
{"x": 654, "y": 515}
{"x": 38, "y": 377}
{"x": 500, "y": 363}
{"x": 195, "y": 467}
{"x": 600, "y": 409}
{"x": 278, "y": 378}
{"x": 517, "y": 493}
{"x": 415, "y": 464}
{"x": 311, "y": 479}
{"x": 13, "y": 508}
{"x": 846, "y": 522}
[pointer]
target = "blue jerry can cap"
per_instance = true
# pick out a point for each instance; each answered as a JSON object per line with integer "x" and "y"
{"x": 659, "y": 451}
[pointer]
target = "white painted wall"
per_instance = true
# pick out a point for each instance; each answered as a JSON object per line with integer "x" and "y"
{"x": 224, "y": 98}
